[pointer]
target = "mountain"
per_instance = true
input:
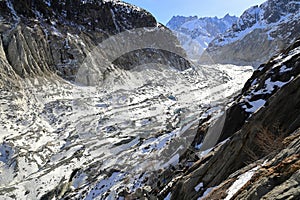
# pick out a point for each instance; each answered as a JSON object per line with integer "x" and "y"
{"x": 56, "y": 36}
{"x": 252, "y": 150}
{"x": 99, "y": 101}
{"x": 95, "y": 97}
{"x": 196, "y": 33}
{"x": 260, "y": 32}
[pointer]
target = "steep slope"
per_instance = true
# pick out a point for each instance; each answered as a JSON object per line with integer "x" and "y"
{"x": 258, "y": 157}
{"x": 57, "y": 36}
{"x": 261, "y": 32}
{"x": 196, "y": 33}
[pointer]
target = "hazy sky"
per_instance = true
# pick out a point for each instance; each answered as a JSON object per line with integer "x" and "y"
{"x": 163, "y": 10}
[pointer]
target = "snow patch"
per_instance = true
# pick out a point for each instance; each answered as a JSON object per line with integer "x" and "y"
{"x": 256, "y": 105}
{"x": 284, "y": 68}
{"x": 207, "y": 191}
{"x": 198, "y": 187}
{"x": 168, "y": 197}
{"x": 240, "y": 182}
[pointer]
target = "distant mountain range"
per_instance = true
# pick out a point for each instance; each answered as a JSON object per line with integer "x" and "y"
{"x": 253, "y": 38}
{"x": 260, "y": 33}
{"x": 196, "y": 33}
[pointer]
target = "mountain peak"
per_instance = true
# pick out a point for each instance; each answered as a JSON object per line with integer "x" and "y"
{"x": 259, "y": 33}
{"x": 196, "y": 33}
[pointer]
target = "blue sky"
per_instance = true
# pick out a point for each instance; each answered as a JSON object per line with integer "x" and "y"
{"x": 163, "y": 10}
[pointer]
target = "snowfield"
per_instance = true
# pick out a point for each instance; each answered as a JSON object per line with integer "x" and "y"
{"x": 88, "y": 142}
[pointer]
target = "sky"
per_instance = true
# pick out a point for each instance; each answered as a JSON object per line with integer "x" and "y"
{"x": 163, "y": 10}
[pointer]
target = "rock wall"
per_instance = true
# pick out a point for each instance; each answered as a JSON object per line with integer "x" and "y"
{"x": 40, "y": 37}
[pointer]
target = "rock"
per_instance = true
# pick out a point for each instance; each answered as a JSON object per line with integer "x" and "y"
{"x": 269, "y": 140}
{"x": 57, "y": 37}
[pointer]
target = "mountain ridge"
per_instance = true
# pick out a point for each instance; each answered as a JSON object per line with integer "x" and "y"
{"x": 260, "y": 32}
{"x": 196, "y": 33}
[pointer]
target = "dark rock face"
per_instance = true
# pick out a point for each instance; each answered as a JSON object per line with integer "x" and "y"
{"x": 41, "y": 37}
{"x": 90, "y": 14}
{"x": 260, "y": 33}
{"x": 263, "y": 145}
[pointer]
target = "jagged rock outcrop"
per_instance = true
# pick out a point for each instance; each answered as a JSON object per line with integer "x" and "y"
{"x": 258, "y": 157}
{"x": 196, "y": 33}
{"x": 56, "y": 36}
{"x": 260, "y": 33}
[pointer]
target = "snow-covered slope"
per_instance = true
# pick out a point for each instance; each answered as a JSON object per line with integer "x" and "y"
{"x": 63, "y": 140}
{"x": 260, "y": 32}
{"x": 196, "y": 33}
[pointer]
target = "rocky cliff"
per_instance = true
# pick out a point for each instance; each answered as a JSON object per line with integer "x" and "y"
{"x": 260, "y": 32}
{"x": 57, "y": 36}
{"x": 257, "y": 155}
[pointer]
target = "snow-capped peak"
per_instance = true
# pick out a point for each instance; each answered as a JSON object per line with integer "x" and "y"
{"x": 196, "y": 33}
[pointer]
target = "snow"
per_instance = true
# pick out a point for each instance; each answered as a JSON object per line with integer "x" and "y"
{"x": 12, "y": 9}
{"x": 128, "y": 8}
{"x": 57, "y": 126}
{"x": 173, "y": 161}
{"x": 15, "y": 16}
{"x": 287, "y": 58}
{"x": 256, "y": 105}
{"x": 6, "y": 176}
{"x": 168, "y": 197}
{"x": 198, "y": 187}
{"x": 55, "y": 32}
{"x": 269, "y": 85}
{"x": 240, "y": 182}
{"x": 285, "y": 69}
{"x": 204, "y": 153}
{"x": 114, "y": 20}
{"x": 47, "y": 2}
{"x": 236, "y": 36}
{"x": 196, "y": 33}
{"x": 207, "y": 191}
{"x": 104, "y": 185}
{"x": 198, "y": 146}
{"x": 256, "y": 15}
